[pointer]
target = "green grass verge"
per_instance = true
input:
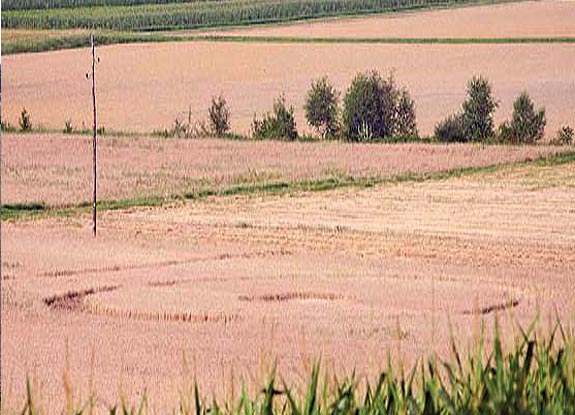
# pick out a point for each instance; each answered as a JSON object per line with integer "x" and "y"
{"x": 73, "y": 41}
{"x": 26, "y": 211}
{"x": 533, "y": 377}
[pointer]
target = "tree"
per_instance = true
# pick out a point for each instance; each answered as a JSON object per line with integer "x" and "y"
{"x": 370, "y": 104}
{"x": 280, "y": 124}
{"x": 321, "y": 108}
{"x": 564, "y": 136}
{"x": 478, "y": 110}
{"x": 219, "y": 116}
{"x": 527, "y": 126}
{"x": 405, "y": 118}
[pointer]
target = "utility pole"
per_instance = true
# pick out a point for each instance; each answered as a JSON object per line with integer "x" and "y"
{"x": 94, "y": 143}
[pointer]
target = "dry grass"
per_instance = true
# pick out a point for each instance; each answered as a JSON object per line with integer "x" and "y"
{"x": 56, "y": 169}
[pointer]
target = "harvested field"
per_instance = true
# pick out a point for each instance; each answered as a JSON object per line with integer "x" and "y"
{"x": 347, "y": 274}
{"x": 56, "y": 169}
{"x": 144, "y": 87}
{"x": 549, "y": 18}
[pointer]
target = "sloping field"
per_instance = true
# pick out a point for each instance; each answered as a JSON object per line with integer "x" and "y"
{"x": 549, "y": 18}
{"x": 144, "y": 87}
{"x": 57, "y": 169}
{"x": 347, "y": 274}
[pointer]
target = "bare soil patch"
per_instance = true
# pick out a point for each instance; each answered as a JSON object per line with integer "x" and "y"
{"x": 144, "y": 87}
{"x": 57, "y": 169}
{"x": 549, "y": 18}
{"x": 347, "y": 274}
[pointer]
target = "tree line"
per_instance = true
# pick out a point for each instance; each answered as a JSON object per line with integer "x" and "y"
{"x": 373, "y": 108}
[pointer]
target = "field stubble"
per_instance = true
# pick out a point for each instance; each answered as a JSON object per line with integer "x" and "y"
{"x": 224, "y": 278}
{"x": 55, "y": 169}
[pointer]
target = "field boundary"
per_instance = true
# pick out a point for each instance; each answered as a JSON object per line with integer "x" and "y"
{"x": 19, "y": 211}
{"x": 77, "y": 41}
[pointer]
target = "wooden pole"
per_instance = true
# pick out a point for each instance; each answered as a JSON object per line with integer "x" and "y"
{"x": 94, "y": 142}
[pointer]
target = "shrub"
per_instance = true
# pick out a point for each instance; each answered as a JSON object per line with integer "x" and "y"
{"x": 25, "y": 121}
{"x": 219, "y": 116}
{"x": 321, "y": 108}
{"x": 280, "y": 124}
{"x": 7, "y": 127}
{"x": 452, "y": 129}
{"x": 68, "y": 127}
{"x": 369, "y": 105}
{"x": 478, "y": 110}
{"x": 405, "y": 118}
{"x": 526, "y": 126}
{"x": 564, "y": 136}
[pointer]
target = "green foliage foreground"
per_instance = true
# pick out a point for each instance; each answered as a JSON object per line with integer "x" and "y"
{"x": 536, "y": 377}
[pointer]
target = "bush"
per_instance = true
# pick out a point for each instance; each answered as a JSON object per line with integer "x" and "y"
{"x": 219, "y": 116}
{"x": 280, "y": 124}
{"x": 25, "y": 121}
{"x": 321, "y": 108}
{"x": 68, "y": 127}
{"x": 451, "y": 130}
{"x": 526, "y": 126}
{"x": 7, "y": 127}
{"x": 564, "y": 136}
{"x": 478, "y": 110}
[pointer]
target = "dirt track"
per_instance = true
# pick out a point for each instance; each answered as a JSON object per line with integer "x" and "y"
{"x": 301, "y": 275}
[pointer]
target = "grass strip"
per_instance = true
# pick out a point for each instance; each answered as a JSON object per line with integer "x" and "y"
{"x": 74, "y": 41}
{"x": 390, "y": 40}
{"x": 13, "y": 212}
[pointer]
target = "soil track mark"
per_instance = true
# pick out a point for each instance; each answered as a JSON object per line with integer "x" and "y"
{"x": 162, "y": 264}
{"x": 279, "y": 297}
{"x": 73, "y": 300}
{"x": 195, "y": 318}
{"x": 493, "y": 308}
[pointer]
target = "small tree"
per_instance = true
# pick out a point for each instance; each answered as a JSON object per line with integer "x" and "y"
{"x": 564, "y": 136}
{"x": 25, "y": 121}
{"x": 219, "y": 116}
{"x": 478, "y": 110}
{"x": 280, "y": 124}
{"x": 370, "y": 104}
{"x": 405, "y": 118}
{"x": 526, "y": 126}
{"x": 68, "y": 126}
{"x": 321, "y": 108}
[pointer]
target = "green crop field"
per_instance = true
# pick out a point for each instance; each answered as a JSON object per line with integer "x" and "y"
{"x": 126, "y": 15}
{"x": 57, "y": 4}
